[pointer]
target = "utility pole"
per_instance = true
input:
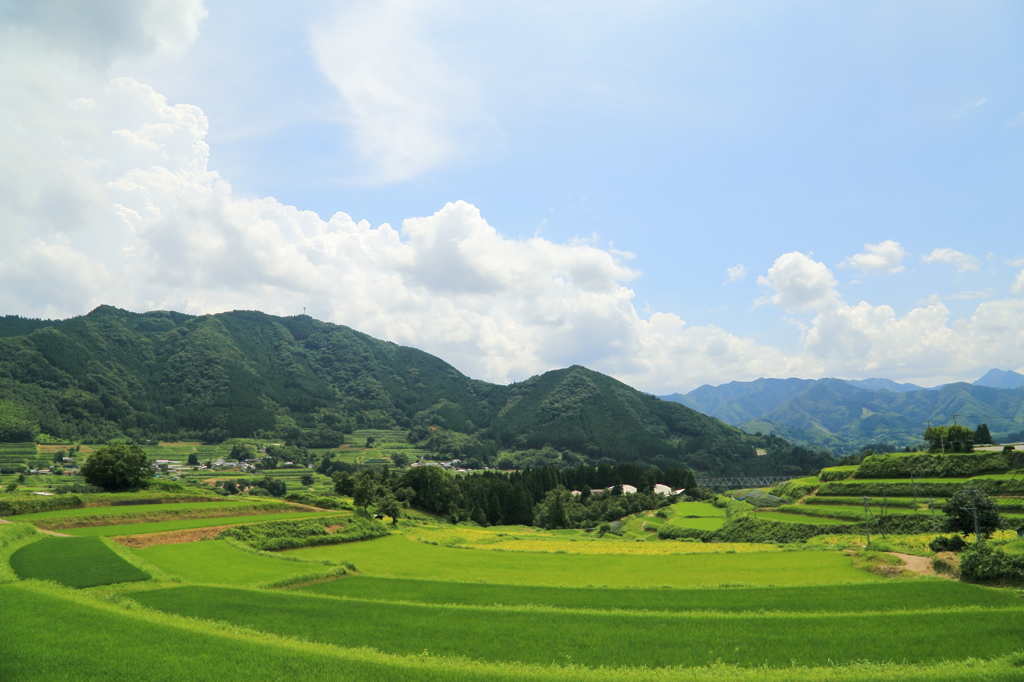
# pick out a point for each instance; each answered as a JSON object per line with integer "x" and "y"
{"x": 973, "y": 492}
{"x": 931, "y": 505}
{"x": 914, "y": 487}
{"x": 867, "y": 526}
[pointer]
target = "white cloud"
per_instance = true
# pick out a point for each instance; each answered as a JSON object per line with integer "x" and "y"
{"x": 736, "y": 273}
{"x": 799, "y": 282}
{"x": 962, "y": 261}
{"x": 883, "y": 258}
{"x": 409, "y": 108}
{"x": 1018, "y": 284}
{"x": 106, "y": 196}
{"x": 968, "y": 107}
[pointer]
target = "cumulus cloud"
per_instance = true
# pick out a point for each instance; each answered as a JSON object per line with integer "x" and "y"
{"x": 736, "y": 273}
{"x": 799, "y": 282}
{"x": 884, "y": 258}
{"x": 962, "y": 261}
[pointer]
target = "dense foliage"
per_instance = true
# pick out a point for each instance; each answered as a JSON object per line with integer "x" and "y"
{"x": 985, "y": 564}
{"x": 969, "y": 509}
{"x": 117, "y": 466}
{"x": 163, "y": 375}
{"x": 330, "y": 530}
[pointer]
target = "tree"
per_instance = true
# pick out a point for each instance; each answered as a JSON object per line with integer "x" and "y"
{"x": 241, "y": 452}
{"x": 400, "y": 459}
{"x": 307, "y": 480}
{"x": 960, "y": 515}
{"x": 961, "y": 437}
{"x": 982, "y": 435}
{"x": 364, "y": 489}
{"x": 388, "y": 505}
{"x": 193, "y": 460}
{"x": 11, "y": 487}
{"x": 342, "y": 482}
{"x": 117, "y": 466}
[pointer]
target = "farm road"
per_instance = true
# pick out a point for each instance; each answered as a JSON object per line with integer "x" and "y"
{"x": 917, "y": 564}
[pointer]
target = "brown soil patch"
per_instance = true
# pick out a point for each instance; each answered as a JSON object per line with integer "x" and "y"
{"x": 174, "y": 537}
{"x": 921, "y": 565}
{"x": 333, "y": 529}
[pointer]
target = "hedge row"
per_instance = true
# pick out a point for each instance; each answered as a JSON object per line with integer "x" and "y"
{"x": 836, "y": 474}
{"x": 925, "y": 465}
{"x": 273, "y": 536}
{"x": 39, "y": 503}
{"x": 902, "y": 503}
{"x": 321, "y": 501}
{"x": 905, "y": 489}
{"x": 748, "y": 529}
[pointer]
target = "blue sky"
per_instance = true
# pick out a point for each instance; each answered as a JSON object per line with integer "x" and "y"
{"x": 674, "y": 193}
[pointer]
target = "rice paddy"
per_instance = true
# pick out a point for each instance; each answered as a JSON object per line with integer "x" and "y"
{"x": 74, "y": 562}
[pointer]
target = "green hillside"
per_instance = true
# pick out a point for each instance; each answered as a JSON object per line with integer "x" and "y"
{"x": 170, "y": 376}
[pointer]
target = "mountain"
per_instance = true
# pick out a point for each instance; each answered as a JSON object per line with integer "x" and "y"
{"x": 846, "y": 416}
{"x": 165, "y": 375}
{"x": 882, "y": 385}
{"x": 997, "y": 378}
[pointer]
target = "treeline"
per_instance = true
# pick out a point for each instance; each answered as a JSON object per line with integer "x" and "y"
{"x": 539, "y": 497}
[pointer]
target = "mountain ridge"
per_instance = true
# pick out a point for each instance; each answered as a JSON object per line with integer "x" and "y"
{"x": 162, "y": 375}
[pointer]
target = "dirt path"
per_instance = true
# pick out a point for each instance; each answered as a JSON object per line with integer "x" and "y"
{"x": 917, "y": 564}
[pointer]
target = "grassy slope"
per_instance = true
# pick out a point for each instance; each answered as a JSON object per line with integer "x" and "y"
{"x": 605, "y": 638}
{"x": 880, "y": 596}
{"x": 400, "y": 557}
{"x": 141, "y": 509}
{"x": 75, "y": 562}
{"x": 183, "y": 524}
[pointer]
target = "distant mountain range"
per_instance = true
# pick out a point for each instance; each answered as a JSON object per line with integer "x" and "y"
{"x": 847, "y": 415}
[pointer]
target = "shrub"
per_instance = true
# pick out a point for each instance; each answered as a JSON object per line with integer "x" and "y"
{"x": 273, "y": 536}
{"x": 954, "y": 543}
{"x": 985, "y": 564}
{"x": 39, "y": 504}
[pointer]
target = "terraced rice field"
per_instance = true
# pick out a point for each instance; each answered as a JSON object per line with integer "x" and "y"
{"x": 400, "y": 557}
{"x": 184, "y": 524}
{"x": 75, "y": 562}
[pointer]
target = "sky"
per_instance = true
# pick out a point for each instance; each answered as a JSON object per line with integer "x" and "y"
{"x": 673, "y": 193}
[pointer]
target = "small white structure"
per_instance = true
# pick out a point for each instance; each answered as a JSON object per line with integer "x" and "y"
{"x": 662, "y": 489}
{"x": 627, "y": 489}
{"x": 679, "y": 492}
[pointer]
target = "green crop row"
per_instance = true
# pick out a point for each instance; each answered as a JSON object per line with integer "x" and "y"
{"x": 836, "y": 473}
{"x": 111, "y": 641}
{"x": 179, "y": 524}
{"x": 865, "y": 597}
{"x": 596, "y": 638}
{"x": 900, "y": 502}
{"x": 923, "y": 489}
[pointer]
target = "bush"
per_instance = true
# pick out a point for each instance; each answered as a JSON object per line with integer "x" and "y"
{"x": 985, "y": 564}
{"x": 83, "y": 488}
{"x": 750, "y": 529}
{"x": 954, "y": 543}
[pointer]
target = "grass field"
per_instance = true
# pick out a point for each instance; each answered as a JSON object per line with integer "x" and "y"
{"x": 215, "y": 561}
{"x": 401, "y": 557}
{"x": 875, "y": 596}
{"x": 182, "y": 524}
{"x": 75, "y": 562}
{"x": 786, "y": 517}
{"x": 597, "y": 638}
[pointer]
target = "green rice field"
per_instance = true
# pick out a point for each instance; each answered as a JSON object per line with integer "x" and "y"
{"x": 400, "y": 557}
{"x": 596, "y": 638}
{"x": 74, "y": 562}
{"x": 863, "y": 597}
{"x": 215, "y": 561}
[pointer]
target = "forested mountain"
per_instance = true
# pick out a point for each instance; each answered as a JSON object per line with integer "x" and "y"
{"x": 165, "y": 375}
{"x": 846, "y": 415}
